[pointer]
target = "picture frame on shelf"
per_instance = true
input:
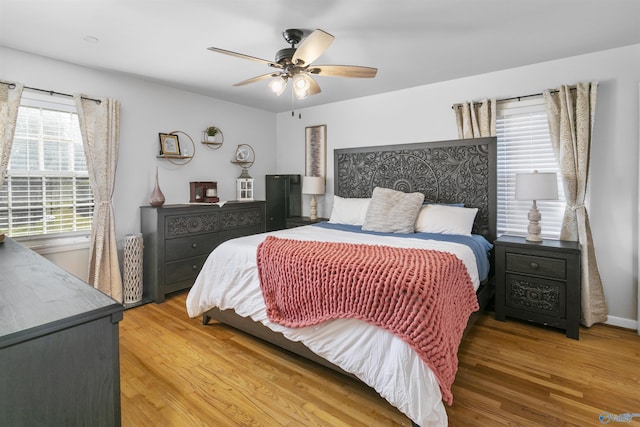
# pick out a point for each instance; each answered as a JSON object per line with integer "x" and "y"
{"x": 315, "y": 150}
{"x": 169, "y": 144}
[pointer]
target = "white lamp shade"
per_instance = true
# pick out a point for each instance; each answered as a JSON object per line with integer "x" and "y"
{"x": 313, "y": 185}
{"x": 536, "y": 186}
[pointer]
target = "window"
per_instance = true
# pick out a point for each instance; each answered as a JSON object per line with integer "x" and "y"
{"x": 524, "y": 145}
{"x": 46, "y": 189}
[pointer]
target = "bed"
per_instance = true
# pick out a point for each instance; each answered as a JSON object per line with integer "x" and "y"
{"x": 448, "y": 173}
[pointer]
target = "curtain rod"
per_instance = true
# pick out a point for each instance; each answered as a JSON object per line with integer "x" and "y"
{"x": 50, "y": 92}
{"x": 521, "y": 96}
{"x": 514, "y": 97}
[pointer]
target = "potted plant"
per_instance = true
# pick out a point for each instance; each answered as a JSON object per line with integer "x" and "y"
{"x": 212, "y": 132}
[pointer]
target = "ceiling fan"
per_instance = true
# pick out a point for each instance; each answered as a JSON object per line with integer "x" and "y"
{"x": 294, "y": 63}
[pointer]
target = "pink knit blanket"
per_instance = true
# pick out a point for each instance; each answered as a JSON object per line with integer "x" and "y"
{"x": 423, "y": 296}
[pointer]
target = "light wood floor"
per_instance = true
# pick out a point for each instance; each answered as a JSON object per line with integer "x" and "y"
{"x": 176, "y": 372}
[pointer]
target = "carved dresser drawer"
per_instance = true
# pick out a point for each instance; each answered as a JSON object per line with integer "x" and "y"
{"x": 179, "y": 238}
{"x": 539, "y": 282}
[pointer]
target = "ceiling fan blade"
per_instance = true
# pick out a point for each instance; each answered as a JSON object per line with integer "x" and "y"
{"x": 312, "y": 47}
{"x": 256, "y": 79}
{"x": 354, "y": 71}
{"x": 243, "y": 56}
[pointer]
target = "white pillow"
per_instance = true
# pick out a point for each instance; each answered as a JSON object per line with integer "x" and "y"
{"x": 349, "y": 211}
{"x": 445, "y": 219}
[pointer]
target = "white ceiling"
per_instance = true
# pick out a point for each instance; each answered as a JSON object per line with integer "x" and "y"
{"x": 411, "y": 42}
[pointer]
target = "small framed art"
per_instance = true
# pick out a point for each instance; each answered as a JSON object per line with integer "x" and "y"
{"x": 169, "y": 144}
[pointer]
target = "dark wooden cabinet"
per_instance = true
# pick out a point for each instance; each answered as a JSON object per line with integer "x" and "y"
{"x": 178, "y": 239}
{"x": 284, "y": 200}
{"x": 539, "y": 282}
{"x": 298, "y": 221}
{"x": 59, "y": 345}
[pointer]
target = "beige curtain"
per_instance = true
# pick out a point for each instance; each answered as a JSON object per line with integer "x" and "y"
{"x": 571, "y": 113}
{"x": 10, "y": 94}
{"x": 100, "y": 128}
{"x": 476, "y": 120}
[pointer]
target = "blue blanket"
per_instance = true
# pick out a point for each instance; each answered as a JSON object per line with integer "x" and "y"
{"x": 480, "y": 246}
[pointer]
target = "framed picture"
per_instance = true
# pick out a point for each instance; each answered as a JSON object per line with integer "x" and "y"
{"x": 315, "y": 150}
{"x": 169, "y": 145}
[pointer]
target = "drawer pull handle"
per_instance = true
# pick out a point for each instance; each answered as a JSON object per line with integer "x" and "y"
{"x": 194, "y": 245}
{"x": 195, "y": 267}
{"x": 534, "y": 265}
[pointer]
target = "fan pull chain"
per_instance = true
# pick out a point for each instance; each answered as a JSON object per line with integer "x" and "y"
{"x": 293, "y": 101}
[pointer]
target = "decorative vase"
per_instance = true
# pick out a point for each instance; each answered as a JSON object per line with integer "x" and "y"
{"x": 157, "y": 198}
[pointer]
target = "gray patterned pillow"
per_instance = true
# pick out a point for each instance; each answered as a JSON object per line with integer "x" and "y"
{"x": 392, "y": 211}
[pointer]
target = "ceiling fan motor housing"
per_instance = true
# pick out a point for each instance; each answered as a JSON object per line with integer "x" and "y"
{"x": 283, "y": 56}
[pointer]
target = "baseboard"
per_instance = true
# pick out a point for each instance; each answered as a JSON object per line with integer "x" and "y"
{"x": 622, "y": 322}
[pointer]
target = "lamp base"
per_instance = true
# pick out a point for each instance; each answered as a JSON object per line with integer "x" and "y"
{"x": 534, "y": 229}
{"x": 533, "y": 238}
{"x": 313, "y": 211}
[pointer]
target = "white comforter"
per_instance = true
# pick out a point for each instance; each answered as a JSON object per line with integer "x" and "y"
{"x": 229, "y": 280}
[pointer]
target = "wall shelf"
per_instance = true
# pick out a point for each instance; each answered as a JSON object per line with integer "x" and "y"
{"x": 244, "y": 165}
{"x": 245, "y": 156}
{"x": 173, "y": 156}
{"x": 214, "y": 142}
{"x": 180, "y": 159}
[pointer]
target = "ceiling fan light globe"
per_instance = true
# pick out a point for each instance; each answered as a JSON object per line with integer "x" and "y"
{"x": 300, "y": 93}
{"x": 278, "y": 85}
{"x": 300, "y": 83}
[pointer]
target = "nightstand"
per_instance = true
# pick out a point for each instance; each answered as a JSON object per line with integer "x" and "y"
{"x": 538, "y": 282}
{"x": 297, "y": 221}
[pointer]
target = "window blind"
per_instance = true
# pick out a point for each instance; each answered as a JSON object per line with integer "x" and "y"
{"x": 524, "y": 145}
{"x": 46, "y": 189}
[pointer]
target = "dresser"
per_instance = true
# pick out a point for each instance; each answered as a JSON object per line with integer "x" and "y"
{"x": 59, "y": 345}
{"x": 539, "y": 282}
{"x": 178, "y": 239}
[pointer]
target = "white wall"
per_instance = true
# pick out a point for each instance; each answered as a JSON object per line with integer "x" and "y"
{"x": 424, "y": 114}
{"x": 147, "y": 109}
{"x": 413, "y": 115}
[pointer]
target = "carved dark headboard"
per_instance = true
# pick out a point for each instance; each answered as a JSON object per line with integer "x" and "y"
{"x": 456, "y": 171}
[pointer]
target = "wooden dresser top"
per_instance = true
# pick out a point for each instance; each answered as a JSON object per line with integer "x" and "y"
{"x": 37, "y": 297}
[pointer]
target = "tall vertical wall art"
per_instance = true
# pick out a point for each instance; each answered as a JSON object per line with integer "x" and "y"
{"x": 316, "y": 151}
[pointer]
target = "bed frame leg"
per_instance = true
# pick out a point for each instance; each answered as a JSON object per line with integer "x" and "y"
{"x": 205, "y": 319}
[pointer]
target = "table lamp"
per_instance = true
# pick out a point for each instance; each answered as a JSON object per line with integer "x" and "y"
{"x": 313, "y": 185}
{"x": 536, "y": 186}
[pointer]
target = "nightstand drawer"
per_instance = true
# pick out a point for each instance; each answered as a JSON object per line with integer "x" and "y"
{"x": 533, "y": 295}
{"x": 555, "y": 268}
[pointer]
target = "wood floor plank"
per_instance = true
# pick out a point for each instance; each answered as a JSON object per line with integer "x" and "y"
{"x": 177, "y": 372}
